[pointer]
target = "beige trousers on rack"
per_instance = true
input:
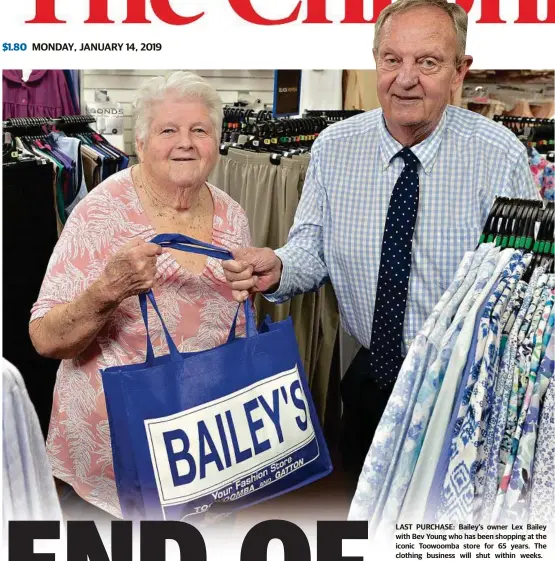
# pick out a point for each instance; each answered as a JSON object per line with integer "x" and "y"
{"x": 270, "y": 194}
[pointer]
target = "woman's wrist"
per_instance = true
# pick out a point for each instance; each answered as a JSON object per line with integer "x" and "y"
{"x": 104, "y": 296}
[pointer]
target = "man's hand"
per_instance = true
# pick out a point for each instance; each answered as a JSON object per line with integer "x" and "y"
{"x": 252, "y": 270}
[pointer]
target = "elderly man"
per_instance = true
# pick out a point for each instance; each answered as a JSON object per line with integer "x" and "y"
{"x": 392, "y": 200}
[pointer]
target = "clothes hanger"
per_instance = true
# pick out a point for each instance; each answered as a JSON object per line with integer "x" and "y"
{"x": 488, "y": 226}
{"x": 514, "y": 223}
{"x": 547, "y": 259}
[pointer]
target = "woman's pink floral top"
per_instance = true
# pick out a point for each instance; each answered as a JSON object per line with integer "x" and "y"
{"x": 198, "y": 311}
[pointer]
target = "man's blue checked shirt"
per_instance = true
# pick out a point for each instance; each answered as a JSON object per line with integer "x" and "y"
{"x": 337, "y": 234}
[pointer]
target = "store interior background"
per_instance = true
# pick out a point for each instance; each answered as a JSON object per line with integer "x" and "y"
{"x": 491, "y": 92}
{"x": 520, "y": 93}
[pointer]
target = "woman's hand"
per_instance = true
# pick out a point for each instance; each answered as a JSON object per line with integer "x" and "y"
{"x": 68, "y": 329}
{"x": 130, "y": 271}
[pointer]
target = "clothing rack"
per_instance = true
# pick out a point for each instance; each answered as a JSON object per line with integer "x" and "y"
{"x": 238, "y": 117}
{"x": 281, "y": 137}
{"x": 30, "y": 122}
{"x": 534, "y": 132}
{"x": 49, "y": 165}
{"x": 259, "y": 131}
{"x": 529, "y": 129}
{"x": 234, "y": 117}
{"x": 472, "y": 404}
{"x": 333, "y": 115}
{"x": 523, "y": 224}
{"x": 524, "y": 120}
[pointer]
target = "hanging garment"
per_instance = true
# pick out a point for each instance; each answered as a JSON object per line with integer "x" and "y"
{"x": 427, "y": 394}
{"x": 458, "y": 486}
{"x": 360, "y": 90}
{"x": 28, "y": 192}
{"x": 508, "y": 377}
{"x": 395, "y": 420}
{"x": 44, "y": 94}
{"x": 542, "y": 496}
{"x": 502, "y": 340}
{"x": 71, "y": 147}
{"x": 458, "y": 338}
{"x": 500, "y": 406}
{"x": 517, "y": 497}
{"x": 436, "y": 499}
{"x": 28, "y": 489}
{"x": 517, "y": 364}
{"x": 543, "y": 172}
{"x": 72, "y": 79}
{"x": 91, "y": 165}
{"x": 528, "y": 380}
{"x": 80, "y": 159}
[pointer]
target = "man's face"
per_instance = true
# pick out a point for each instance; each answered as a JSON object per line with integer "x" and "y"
{"x": 416, "y": 67}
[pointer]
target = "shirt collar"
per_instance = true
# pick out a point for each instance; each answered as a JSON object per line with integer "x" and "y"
{"x": 426, "y": 151}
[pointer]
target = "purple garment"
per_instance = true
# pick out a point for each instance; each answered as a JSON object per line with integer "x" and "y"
{"x": 45, "y": 94}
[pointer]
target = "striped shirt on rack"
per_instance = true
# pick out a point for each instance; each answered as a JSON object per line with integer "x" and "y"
{"x": 337, "y": 235}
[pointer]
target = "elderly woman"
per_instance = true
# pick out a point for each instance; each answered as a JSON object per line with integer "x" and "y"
{"x": 87, "y": 312}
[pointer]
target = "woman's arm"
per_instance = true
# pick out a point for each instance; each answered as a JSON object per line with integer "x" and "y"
{"x": 68, "y": 329}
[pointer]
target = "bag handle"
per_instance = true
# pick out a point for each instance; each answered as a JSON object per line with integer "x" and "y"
{"x": 174, "y": 352}
{"x": 190, "y": 245}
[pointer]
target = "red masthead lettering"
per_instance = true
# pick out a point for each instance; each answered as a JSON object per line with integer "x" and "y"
{"x": 528, "y": 12}
{"x": 98, "y": 12}
{"x": 244, "y": 9}
{"x": 45, "y": 12}
{"x": 354, "y": 11}
{"x": 316, "y": 12}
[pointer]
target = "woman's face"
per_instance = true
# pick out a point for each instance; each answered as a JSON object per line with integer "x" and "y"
{"x": 181, "y": 145}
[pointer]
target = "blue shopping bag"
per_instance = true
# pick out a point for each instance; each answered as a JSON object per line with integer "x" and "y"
{"x": 216, "y": 430}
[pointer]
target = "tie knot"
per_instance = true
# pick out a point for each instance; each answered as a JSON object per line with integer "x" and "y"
{"x": 408, "y": 156}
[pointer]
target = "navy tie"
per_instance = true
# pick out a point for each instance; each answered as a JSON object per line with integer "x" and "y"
{"x": 393, "y": 278}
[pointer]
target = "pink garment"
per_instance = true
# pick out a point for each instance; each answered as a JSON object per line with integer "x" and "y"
{"x": 198, "y": 311}
{"x": 44, "y": 94}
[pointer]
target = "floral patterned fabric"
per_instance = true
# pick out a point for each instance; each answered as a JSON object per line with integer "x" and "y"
{"x": 458, "y": 487}
{"x": 496, "y": 428}
{"x": 452, "y": 358}
{"x": 515, "y": 504}
{"x": 393, "y": 425}
{"x": 426, "y": 400}
{"x": 528, "y": 376}
{"x": 483, "y": 393}
{"x": 517, "y": 365}
{"x": 543, "y": 171}
{"x": 542, "y": 495}
{"x": 198, "y": 311}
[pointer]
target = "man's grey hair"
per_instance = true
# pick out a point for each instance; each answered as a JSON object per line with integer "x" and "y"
{"x": 185, "y": 85}
{"x": 454, "y": 11}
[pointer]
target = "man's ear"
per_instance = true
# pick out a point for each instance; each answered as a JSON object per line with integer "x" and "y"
{"x": 460, "y": 72}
